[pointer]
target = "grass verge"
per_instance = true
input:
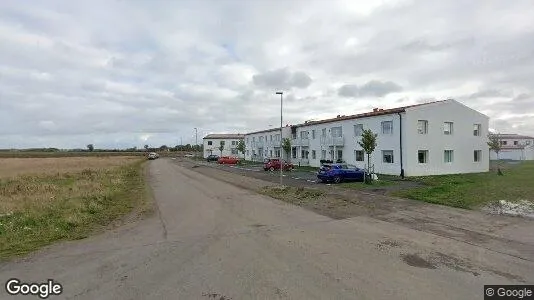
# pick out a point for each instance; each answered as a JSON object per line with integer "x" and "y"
{"x": 363, "y": 186}
{"x": 298, "y": 196}
{"x": 474, "y": 190}
{"x": 38, "y": 210}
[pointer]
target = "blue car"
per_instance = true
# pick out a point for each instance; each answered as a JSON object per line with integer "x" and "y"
{"x": 337, "y": 173}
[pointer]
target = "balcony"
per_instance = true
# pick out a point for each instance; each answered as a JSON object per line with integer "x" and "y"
{"x": 300, "y": 142}
{"x": 332, "y": 141}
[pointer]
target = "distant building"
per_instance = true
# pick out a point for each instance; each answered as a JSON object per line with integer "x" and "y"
{"x": 229, "y": 141}
{"x": 515, "y": 147}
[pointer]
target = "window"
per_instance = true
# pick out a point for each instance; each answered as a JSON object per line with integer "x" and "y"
{"x": 323, "y": 154}
{"x": 261, "y": 139}
{"x": 271, "y": 138}
{"x": 248, "y": 153}
{"x": 222, "y": 143}
{"x": 422, "y": 126}
{"x": 210, "y": 143}
{"x": 337, "y": 132}
{"x": 234, "y": 151}
{"x": 448, "y": 156}
{"x": 304, "y": 154}
{"x": 313, "y": 134}
{"x": 515, "y": 143}
{"x": 294, "y": 152}
{"x": 253, "y": 139}
{"x": 447, "y": 128}
{"x": 387, "y": 127}
{"x": 339, "y": 154}
{"x": 422, "y": 156}
{"x": 233, "y": 143}
{"x": 277, "y": 152}
{"x": 313, "y": 154}
{"x": 323, "y": 132}
{"x": 477, "y": 155}
{"x": 476, "y": 129}
{"x": 304, "y": 135}
{"x": 359, "y": 155}
{"x": 270, "y": 153}
{"x": 387, "y": 156}
{"x": 504, "y": 143}
{"x": 527, "y": 143}
{"x": 358, "y": 129}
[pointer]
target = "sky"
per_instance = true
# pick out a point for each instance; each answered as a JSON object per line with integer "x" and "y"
{"x": 117, "y": 73}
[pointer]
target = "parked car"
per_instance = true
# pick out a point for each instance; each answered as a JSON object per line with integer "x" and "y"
{"x": 228, "y": 160}
{"x": 212, "y": 157}
{"x": 337, "y": 173}
{"x": 189, "y": 155}
{"x": 152, "y": 155}
{"x": 271, "y": 164}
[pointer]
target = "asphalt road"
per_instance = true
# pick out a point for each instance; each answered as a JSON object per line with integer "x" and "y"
{"x": 213, "y": 240}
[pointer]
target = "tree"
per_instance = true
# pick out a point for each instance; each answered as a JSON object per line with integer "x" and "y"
{"x": 241, "y": 146}
{"x": 494, "y": 144}
{"x": 286, "y": 145}
{"x": 221, "y": 148}
{"x": 146, "y": 147}
{"x": 90, "y": 147}
{"x": 163, "y": 148}
{"x": 368, "y": 144}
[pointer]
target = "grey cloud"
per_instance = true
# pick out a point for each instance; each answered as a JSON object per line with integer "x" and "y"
{"x": 490, "y": 93}
{"x": 282, "y": 79}
{"x": 373, "y": 88}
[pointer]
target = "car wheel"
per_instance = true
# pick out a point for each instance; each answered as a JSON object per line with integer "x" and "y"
{"x": 271, "y": 169}
{"x": 337, "y": 179}
{"x": 265, "y": 169}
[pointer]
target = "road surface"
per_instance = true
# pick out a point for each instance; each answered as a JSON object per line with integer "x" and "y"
{"x": 213, "y": 240}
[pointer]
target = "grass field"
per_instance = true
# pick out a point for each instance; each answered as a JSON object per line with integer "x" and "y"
{"x": 33, "y": 154}
{"x": 50, "y": 199}
{"x": 475, "y": 190}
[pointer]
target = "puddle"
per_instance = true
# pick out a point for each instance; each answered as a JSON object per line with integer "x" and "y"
{"x": 415, "y": 260}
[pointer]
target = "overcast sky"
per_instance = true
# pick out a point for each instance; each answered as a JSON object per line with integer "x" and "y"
{"x": 128, "y": 73}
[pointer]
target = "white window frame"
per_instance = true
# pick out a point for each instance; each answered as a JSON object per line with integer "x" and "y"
{"x": 448, "y": 159}
{"x": 424, "y": 124}
{"x": 358, "y": 130}
{"x": 356, "y": 155}
{"x": 384, "y": 129}
{"x": 384, "y": 152}
{"x": 451, "y": 128}
{"x": 426, "y": 153}
{"x": 477, "y": 128}
{"x": 477, "y": 155}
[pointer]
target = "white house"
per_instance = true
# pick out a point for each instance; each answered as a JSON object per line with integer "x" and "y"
{"x": 212, "y": 143}
{"x": 442, "y": 137}
{"x": 515, "y": 147}
{"x": 265, "y": 143}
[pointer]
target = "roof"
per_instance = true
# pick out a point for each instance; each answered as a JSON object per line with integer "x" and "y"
{"x": 224, "y": 136}
{"x": 503, "y": 147}
{"x": 266, "y": 130}
{"x": 374, "y": 113}
{"x": 514, "y": 136}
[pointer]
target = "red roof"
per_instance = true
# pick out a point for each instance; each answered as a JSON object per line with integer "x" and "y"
{"x": 514, "y": 136}
{"x": 376, "y": 112}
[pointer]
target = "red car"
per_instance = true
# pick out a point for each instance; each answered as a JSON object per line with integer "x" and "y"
{"x": 272, "y": 164}
{"x": 228, "y": 160}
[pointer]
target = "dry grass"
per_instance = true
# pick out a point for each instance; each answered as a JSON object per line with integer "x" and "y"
{"x": 64, "y": 199}
{"x": 12, "y": 167}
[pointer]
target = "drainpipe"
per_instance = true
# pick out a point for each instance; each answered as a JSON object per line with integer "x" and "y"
{"x": 400, "y": 145}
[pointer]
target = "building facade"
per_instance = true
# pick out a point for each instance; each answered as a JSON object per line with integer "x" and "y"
{"x": 515, "y": 147}
{"x": 265, "y": 144}
{"x": 213, "y": 142}
{"x": 442, "y": 137}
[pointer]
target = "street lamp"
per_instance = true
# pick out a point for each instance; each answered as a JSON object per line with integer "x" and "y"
{"x": 281, "y": 156}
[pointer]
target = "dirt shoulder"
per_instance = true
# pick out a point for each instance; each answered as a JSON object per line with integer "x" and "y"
{"x": 508, "y": 235}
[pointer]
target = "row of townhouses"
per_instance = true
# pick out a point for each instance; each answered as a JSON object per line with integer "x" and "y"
{"x": 213, "y": 143}
{"x": 441, "y": 137}
{"x": 515, "y": 147}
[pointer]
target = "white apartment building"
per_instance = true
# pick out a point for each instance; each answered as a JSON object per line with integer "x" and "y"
{"x": 265, "y": 144}
{"x": 213, "y": 142}
{"x": 442, "y": 137}
{"x": 515, "y": 147}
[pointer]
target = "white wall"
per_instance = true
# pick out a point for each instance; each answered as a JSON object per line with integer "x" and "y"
{"x": 462, "y": 141}
{"x": 515, "y": 154}
{"x": 268, "y": 147}
{"x": 214, "y": 147}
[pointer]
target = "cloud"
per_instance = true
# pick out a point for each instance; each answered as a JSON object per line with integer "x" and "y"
{"x": 282, "y": 79}
{"x": 111, "y": 72}
{"x": 373, "y": 88}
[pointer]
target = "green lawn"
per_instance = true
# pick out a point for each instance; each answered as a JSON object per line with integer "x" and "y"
{"x": 474, "y": 190}
{"x": 360, "y": 185}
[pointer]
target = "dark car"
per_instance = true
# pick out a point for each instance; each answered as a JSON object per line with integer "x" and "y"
{"x": 272, "y": 164}
{"x": 340, "y": 172}
{"x": 212, "y": 157}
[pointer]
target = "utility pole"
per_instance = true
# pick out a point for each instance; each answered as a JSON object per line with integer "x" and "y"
{"x": 196, "y": 140}
{"x": 281, "y": 156}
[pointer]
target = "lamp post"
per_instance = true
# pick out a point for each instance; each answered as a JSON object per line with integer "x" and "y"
{"x": 196, "y": 141}
{"x": 281, "y": 156}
